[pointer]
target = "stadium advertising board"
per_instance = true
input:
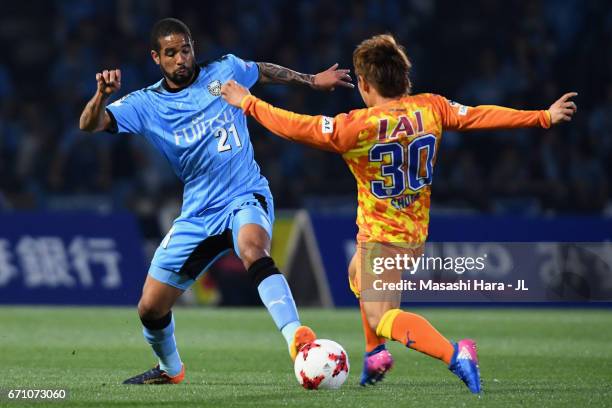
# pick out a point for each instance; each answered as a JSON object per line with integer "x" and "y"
{"x": 476, "y": 259}
{"x": 70, "y": 258}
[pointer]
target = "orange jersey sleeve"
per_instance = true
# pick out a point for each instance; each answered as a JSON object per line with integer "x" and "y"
{"x": 460, "y": 117}
{"x": 337, "y": 134}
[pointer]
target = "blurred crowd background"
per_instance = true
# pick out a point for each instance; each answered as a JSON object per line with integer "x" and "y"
{"x": 521, "y": 54}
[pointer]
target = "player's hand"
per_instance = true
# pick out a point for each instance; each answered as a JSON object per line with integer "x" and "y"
{"x": 109, "y": 81}
{"x": 332, "y": 77}
{"x": 563, "y": 109}
{"x": 233, "y": 92}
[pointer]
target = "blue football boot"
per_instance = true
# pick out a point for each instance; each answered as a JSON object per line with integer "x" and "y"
{"x": 464, "y": 364}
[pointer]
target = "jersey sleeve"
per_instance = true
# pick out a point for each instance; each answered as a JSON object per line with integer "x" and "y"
{"x": 461, "y": 117}
{"x": 246, "y": 73}
{"x": 338, "y": 134}
{"x": 126, "y": 116}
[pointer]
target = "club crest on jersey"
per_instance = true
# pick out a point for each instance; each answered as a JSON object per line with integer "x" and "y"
{"x": 214, "y": 87}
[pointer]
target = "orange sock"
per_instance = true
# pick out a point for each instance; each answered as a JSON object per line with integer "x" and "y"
{"x": 415, "y": 332}
{"x": 371, "y": 339}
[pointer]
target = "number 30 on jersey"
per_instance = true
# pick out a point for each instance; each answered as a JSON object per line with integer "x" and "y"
{"x": 405, "y": 166}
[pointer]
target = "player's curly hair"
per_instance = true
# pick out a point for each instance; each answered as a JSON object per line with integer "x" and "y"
{"x": 382, "y": 62}
{"x": 165, "y": 27}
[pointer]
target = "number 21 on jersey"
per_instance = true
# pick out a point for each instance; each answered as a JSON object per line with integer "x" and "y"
{"x": 223, "y": 134}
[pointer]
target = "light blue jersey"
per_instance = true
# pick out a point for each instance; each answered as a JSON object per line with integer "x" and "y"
{"x": 205, "y": 139}
{"x": 207, "y": 143}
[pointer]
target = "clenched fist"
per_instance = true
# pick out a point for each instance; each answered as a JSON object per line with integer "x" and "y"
{"x": 233, "y": 92}
{"x": 109, "y": 81}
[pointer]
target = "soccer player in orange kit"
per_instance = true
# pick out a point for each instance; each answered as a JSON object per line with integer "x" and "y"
{"x": 391, "y": 148}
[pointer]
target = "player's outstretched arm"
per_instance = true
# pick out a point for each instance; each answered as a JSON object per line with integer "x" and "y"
{"x": 94, "y": 117}
{"x": 460, "y": 117}
{"x": 337, "y": 134}
{"x": 326, "y": 80}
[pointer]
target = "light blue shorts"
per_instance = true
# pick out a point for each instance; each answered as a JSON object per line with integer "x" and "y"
{"x": 193, "y": 243}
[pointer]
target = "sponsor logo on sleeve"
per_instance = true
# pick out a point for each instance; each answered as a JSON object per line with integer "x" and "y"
{"x": 327, "y": 125}
{"x": 120, "y": 101}
{"x": 461, "y": 109}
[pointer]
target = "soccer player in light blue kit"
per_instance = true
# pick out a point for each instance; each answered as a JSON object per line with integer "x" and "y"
{"x": 227, "y": 203}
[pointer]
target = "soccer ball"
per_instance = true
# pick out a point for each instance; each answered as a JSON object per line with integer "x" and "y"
{"x": 322, "y": 364}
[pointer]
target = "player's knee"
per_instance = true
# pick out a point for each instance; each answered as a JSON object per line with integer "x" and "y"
{"x": 250, "y": 254}
{"x": 253, "y": 243}
{"x": 148, "y": 309}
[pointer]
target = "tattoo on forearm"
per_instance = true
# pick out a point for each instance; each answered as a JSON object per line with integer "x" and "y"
{"x": 275, "y": 74}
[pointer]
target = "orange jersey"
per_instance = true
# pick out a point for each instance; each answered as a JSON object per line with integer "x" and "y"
{"x": 391, "y": 150}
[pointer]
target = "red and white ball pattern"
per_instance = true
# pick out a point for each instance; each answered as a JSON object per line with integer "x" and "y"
{"x": 322, "y": 364}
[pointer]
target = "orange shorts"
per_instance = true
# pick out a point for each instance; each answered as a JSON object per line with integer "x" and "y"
{"x": 363, "y": 275}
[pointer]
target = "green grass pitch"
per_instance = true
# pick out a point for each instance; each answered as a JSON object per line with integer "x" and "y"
{"x": 235, "y": 357}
